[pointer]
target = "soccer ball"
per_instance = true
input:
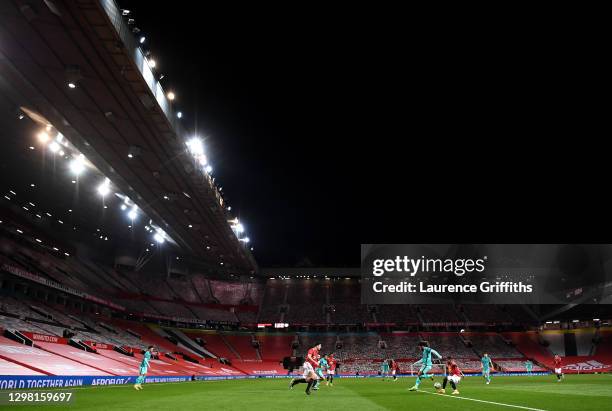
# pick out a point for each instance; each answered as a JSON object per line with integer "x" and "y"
{"x": 437, "y": 386}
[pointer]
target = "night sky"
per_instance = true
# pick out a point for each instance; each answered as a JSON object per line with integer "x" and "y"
{"x": 332, "y": 128}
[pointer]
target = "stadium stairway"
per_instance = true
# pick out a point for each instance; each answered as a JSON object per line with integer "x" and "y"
{"x": 186, "y": 342}
{"x": 231, "y": 348}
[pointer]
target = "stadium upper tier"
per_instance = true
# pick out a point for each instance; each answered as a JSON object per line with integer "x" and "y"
{"x": 56, "y": 281}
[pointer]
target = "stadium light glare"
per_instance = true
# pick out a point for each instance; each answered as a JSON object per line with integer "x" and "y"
{"x": 133, "y": 213}
{"x": 171, "y": 96}
{"x": 195, "y": 146}
{"x": 71, "y": 85}
{"x": 142, "y": 39}
{"x": 43, "y": 137}
{"x": 179, "y": 114}
{"x": 61, "y": 152}
{"x": 239, "y": 228}
{"x": 104, "y": 188}
{"x": 77, "y": 166}
{"x": 54, "y": 147}
{"x": 152, "y": 63}
{"x": 123, "y": 206}
{"x": 208, "y": 169}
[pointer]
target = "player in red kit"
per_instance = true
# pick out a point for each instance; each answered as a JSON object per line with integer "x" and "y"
{"x": 453, "y": 375}
{"x": 394, "y": 369}
{"x": 309, "y": 376}
{"x": 331, "y": 361}
{"x": 558, "y": 368}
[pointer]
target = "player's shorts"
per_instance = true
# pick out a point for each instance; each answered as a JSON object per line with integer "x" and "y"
{"x": 393, "y": 372}
{"x": 454, "y": 378}
{"x": 319, "y": 372}
{"x": 425, "y": 369}
{"x": 331, "y": 372}
{"x": 143, "y": 370}
{"x": 486, "y": 371}
{"x": 307, "y": 369}
{"x": 558, "y": 371}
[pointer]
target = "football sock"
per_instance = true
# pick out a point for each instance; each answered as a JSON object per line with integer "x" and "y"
{"x": 309, "y": 385}
{"x": 444, "y": 382}
{"x": 453, "y": 385}
{"x": 298, "y": 381}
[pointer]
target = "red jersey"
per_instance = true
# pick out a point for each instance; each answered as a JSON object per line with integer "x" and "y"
{"x": 557, "y": 362}
{"x": 453, "y": 369}
{"x": 394, "y": 366}
{"x": 332, "y": 363}
{"x": 314, "y": 354}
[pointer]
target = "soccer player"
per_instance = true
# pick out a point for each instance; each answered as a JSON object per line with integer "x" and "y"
{"x": 425, "y": 362}
{"x": 394, "y": 369}
{"x": 558, "y": 368}
{"x": 528, "y": 366}
{"x": 453, "y": 375}
{"x": 309, "y": 376}
{"x": 485, "y": 364}
{"x": 331, "y": 361}
{"x": 384, "y": 369}
{"x": 144, "y": 366}
{"x": 321, "y": 368}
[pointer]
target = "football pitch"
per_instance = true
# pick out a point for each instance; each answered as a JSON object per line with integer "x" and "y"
{"x": 576, "y": 392}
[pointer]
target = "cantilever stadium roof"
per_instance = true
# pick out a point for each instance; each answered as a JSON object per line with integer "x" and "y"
{"x": 117, "y": 108}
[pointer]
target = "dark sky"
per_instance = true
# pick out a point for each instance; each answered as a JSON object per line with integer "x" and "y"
{"x": 332, "y": 128}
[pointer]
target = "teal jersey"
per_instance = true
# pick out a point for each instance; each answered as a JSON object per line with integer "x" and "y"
{"x": 528, "y": 364}
{"x": 145, "y": 360}
{"x": 426, "y": 356}
{"x": 486, "y": 362}
{"x": 323, "y": 363}
{"x": 384, "y": 366}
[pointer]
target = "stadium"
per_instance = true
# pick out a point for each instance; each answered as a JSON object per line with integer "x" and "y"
{"x": 120, "y": 247}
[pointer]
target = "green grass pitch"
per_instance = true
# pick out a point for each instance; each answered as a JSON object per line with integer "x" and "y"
{"x": 575, "y": 393}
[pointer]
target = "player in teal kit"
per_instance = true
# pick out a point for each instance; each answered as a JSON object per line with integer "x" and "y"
{"x": 528, "y": 366}
{"x": 323, "y": 365}
{"x": 486, "y": 367}
{"x": 425, "y": 362}
{"x": 144, "y": 366}
{"x": 384, "y": 369}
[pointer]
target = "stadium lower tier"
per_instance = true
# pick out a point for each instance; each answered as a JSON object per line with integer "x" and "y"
{"x": 101, "y": 346}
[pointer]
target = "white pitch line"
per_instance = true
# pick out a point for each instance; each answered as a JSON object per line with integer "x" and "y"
{"x": 487, "y": 402}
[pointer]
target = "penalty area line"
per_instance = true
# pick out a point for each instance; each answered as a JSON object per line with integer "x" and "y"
{"x": 486, "y": 402}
